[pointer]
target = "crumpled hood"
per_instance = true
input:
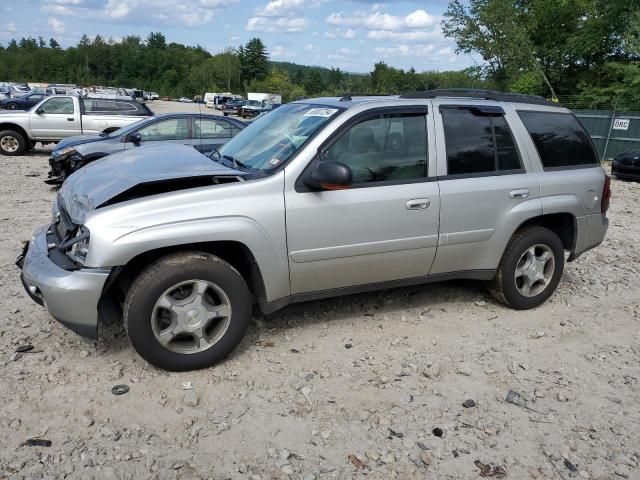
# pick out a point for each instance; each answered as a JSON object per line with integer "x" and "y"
{"x": 102, "y": 180}
{"x": 78, "y": 140}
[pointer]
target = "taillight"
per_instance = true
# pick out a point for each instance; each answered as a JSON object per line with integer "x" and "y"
{"x": 606, "y": 194}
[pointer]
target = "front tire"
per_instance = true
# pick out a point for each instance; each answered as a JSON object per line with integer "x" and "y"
{"x": 12, "y": 106}
{"x": 12, "y": 143}
{"x": 187, "y": 311}
{"x": 530, "y": 269}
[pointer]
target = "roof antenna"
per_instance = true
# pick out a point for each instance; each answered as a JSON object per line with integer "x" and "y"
{"x": 346, "y": 98}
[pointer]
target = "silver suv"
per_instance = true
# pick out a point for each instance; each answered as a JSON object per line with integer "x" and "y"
{"x": 320, "y": 197}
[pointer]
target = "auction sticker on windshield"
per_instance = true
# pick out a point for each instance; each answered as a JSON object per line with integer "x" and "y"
{"x": 321, "y": 112}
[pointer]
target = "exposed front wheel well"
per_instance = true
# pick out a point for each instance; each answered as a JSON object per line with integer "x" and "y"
{"x": 236, "y": 254}
{"x": 562, "y": 224}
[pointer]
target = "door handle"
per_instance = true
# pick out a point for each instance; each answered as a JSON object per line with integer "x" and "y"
{"x": 70, "y": 119}
{"x": 521, "y": 193}
{"x": 418, "y": 204}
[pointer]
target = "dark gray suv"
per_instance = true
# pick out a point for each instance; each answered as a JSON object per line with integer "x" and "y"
{"x": 203, "y": 132}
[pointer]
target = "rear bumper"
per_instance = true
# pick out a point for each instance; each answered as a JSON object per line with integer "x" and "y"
{"x": 71, "y": 297}
{"x": 590, "y": 232}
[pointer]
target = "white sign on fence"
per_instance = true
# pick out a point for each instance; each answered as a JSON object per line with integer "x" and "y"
{"x": 621, "y": 124}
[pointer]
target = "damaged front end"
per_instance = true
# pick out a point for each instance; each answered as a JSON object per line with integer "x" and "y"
{"x": 62, "y": 164}
{"x": 54, "y": 276}
{"x": 142, "y": 172}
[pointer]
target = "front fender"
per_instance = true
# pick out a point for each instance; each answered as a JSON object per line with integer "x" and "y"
{"x": 271, "y": 259}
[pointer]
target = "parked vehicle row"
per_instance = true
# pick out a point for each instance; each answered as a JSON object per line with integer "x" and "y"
{"x": 60, "y": 116}
{"x": 8, "y": 91}
{"x": 31, "y": 98}
{"x": 321, "y": 197}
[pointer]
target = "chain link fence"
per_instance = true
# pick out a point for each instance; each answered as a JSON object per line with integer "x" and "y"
{"x": 613, "y": 132}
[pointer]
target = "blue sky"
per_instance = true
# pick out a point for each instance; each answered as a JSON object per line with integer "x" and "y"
{"x": 352, "y": 35}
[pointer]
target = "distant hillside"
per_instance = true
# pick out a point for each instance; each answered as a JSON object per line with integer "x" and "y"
{"x": 294, "y": 69}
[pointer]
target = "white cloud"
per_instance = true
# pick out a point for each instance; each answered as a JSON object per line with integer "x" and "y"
{"x": 140, "y": 12}
{"x": 266, "y": 24}
{"x": 377, "y": 20}
{"x": 348, "y": 33}
{"x": 280, "y": 52}
{"x": 8, "y": 29}
{"x": 408, "y": 36}
{"x": 343, "y": 54}
{"x": 56, "y": 25}
{"x": 405, "y": 50}
{"x": 119, "y": 8}
{"x": 420, "y": 19}
{"x": 279, "y": 8}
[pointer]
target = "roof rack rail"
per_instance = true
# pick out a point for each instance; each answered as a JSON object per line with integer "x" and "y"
{"x": 345, "y": 97}
{"x": 481, "y": 94}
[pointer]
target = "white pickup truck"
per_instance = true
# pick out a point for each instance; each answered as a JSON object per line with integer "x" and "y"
{"x": 60, "y": 116}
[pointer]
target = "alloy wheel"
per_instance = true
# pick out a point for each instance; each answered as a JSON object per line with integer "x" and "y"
{"x": 191, "y": 316}
{"x": 534, "y": 270}
{"x": 9, "y": 144}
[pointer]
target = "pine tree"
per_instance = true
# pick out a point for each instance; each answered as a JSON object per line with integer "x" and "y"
{"x": 254, "y": 60}
{"x": 335, "y": 78}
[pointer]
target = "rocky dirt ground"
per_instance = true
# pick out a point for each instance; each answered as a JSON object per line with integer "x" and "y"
{"x": 368, "y": 385}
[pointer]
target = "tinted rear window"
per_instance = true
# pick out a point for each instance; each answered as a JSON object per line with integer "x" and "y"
{"x": 478, "y": 143}
{"x": 560, "y": 139}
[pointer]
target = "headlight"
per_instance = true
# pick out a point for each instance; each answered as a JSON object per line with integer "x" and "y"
{"x": 77, "y": 247}
{"x": 76, "y": 159}
{"x": 64, "y": 152}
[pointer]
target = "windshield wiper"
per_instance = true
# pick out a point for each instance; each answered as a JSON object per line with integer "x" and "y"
{"x": 236, "y": 163}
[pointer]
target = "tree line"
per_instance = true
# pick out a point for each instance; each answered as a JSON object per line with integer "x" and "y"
{"x": 176, "y": 70}
{"x": 584, "y": 52}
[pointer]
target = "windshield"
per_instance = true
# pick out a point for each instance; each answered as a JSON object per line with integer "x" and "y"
{"x": 272, "y": 139}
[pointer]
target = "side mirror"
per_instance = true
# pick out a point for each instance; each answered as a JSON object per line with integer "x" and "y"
{"x": 329, "y": 176}
{"x": 135, "y": 138}
{"x": 40, "y": 111}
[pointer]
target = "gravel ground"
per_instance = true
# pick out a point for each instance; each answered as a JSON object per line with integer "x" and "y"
{"x": 343, "y": 388}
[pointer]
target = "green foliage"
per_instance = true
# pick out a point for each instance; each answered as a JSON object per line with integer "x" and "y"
{"x": 278, "y": 81}
{"x": 254, "y": 60}
{"x": 568, "y": 47}
{"x": 176, "y": 70}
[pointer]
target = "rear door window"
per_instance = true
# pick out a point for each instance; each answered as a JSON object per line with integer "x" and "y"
{"x": 478, "y": 142}
{"x": 207, "y": 128}
{"x": 171, "y": 129}
{"x": 560, "y": 139}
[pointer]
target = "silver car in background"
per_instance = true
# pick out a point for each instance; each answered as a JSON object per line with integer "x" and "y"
{"x": 318, "y": 198}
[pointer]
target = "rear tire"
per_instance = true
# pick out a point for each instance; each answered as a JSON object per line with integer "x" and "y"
{"x": 187, "y": 311}
{"x": 530, "y": 269}
{"x": 12, "y": 143}
{"x": 12, "y": 106}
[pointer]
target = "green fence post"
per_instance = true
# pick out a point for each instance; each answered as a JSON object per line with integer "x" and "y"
{"x": 606, "y": 143}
